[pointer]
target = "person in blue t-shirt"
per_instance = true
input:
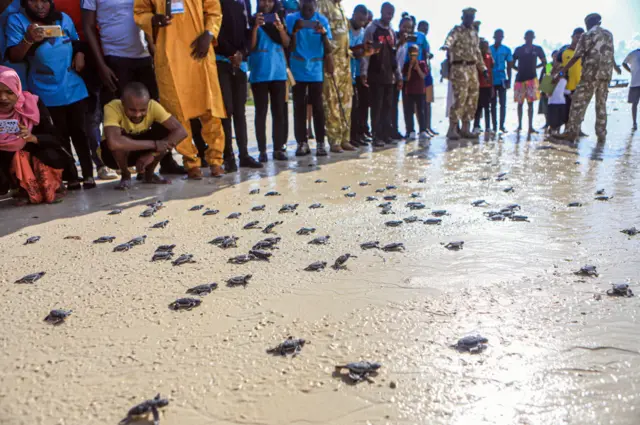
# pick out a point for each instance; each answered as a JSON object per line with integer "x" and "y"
{"x": 54, "y": 64}
{"x": 310, "y": 43}
{"x": 502, "y": 65}
{"x": 20, "y": 67}
{"x": 359, "y": 108}
{"x": 268, "y": 78}
{"x": 423, "y": 28}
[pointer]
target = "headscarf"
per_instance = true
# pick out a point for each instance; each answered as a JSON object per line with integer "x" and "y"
{"x": 25, "y": 110}
{"x": 50, "y": 19}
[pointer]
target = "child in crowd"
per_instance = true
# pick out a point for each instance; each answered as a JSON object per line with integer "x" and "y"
{"x": 414, "y": 73}
{"x": 487, "y": 92}
{"x": 557, "y": 111}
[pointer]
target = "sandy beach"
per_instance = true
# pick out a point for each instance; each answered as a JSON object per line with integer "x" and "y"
{"x": 560, "y": 350}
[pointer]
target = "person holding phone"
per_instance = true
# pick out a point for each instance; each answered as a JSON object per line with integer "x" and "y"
{"x": 54, "y": 67}
{"x": 414, "y": 71}
{"x": 359, "y": 109}
{"x": 12, "y": 8}
{"x": 268, "y": 78}
{"x": 310, "y": 46}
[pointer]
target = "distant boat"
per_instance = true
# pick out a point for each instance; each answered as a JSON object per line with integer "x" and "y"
{"x": 618, "y": 83}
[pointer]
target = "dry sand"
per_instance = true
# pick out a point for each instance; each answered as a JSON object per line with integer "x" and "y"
{"x": 556, "y": 354}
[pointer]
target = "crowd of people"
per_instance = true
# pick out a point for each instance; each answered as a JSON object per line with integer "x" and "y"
{"x": 127, "y": 82}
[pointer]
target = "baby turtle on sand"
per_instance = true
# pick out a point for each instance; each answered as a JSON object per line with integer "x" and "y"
{"x": 341, "y": 260}
{"x": 254, "y": 191}
{"x": 316, "y": 267}
{"x": 394, "y": 247}
{"x": 603, "y": 198}
{"x": 390, "y": 197}
{"x": 258, "y": 208}
{"x": 439, "y": 213}
{"x": 144, "y": 409}
{"x": 251, "y": 225}
{"x": 183, "y": 259}
{"x": 266, "y": 244}
{"x": 508, "y": 189}
{"x": 455, "y": 245}
{"x": 239, "y": 280}
{"x": 220, "y": 239}
{"x": 75, "y": 238}
{"x": 363, "y": 184}
{"x": 321, "y": 181}
{"x": 632, "y": 231}
{"x": 196, "y": 208}
{"x": 105, "y": 239}
{"x": 234, "y": 215}
{"x": 422, "y": 180}
{"x": 270, "y": 227}
{"x": 620, "y": 290}
{"x": 185, "y": 303}
{"x": 574, "y": 205}
{"x": 287, "y": 208}
{"x": 260, "y": 254}
{"x": 416, "y": 206}
{"x": 57, "y": 317}
{"x": 306, "y": 231}
{"x": 202, "y": 290}
{"x": 316, "y": 206}
{"x": 165, "y": 248}
{"x": 241, "y": 259}
{"x": 384, "y": 205}
{"x": 471, "y": 343}
{"x": 162, "y": 256}
{"x": 123, "y": 247}
{"x": 272, "y": 193}
{"x": 415, "y": 195}
{"x": 433, "y": 221}
{"x": 31, "y": 278}
{"x": 393, "y": 223}
{"x": 211, "y": 212}
{"x": 411, "y": 219}
{"x": 322, "y": 240}
{"x": 289, "y": 346}
{"x": 513, "y": 207}
{"x": 391, "y": 187}
{"x": 359, "y": 371}
{"x": 115, "y": 212}
{"x": 158, "y": 205}
{"x": 370, "y": 245}
{"x": 371, "y": 198}
{"x": 32, "y": 239}
{"x": 587, "y": 270}
{"x": 345, "y": 187}
{"x": 480, "y": 203}
{"x": 138, "y": 240}
{"x": 519, "y": 218}
{"x": 600, "y": 192}
{"x": 229, "y": 243}
{"x": 496, "y": 217}
{"x": 381, "y": 190}
{"x": 350, "y": 195}
{"x": 160, "y": 225}
{"x": 387, "y": 210}
{"x": 148, "y": 212}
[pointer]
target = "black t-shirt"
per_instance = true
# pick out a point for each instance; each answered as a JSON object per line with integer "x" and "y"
{"x": 527, "y": 59}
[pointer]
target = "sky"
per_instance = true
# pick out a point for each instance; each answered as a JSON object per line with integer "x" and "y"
{"x": 553, "y": 21}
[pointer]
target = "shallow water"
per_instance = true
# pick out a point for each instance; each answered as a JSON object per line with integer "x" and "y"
{"x": 556, "y": 355}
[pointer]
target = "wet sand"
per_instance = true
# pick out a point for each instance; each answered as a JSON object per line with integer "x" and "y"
{"x": 556, "y": 353}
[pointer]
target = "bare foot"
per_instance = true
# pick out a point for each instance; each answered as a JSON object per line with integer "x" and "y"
{"x": 156, "y": 179}
{"x": 125, "y": 184}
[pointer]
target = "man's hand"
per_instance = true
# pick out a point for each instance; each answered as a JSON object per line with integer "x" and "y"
{"x": 364, "y": 80}
{"x": 236, "y": 60}
{"x": 108, "y": 77}
{"x": 369, "y": 50}
{"x": 485, "y": 74}
{"x": 402, "y": 38}
{"x": 160, "y": 21}
{"x": 162, "y": 146}
{"x": 320, "y": 29}
{"x": 297, "y": 26}
{"x": 78, "y": 62}
{"x": 617, "y": 68}
{"x": 259, "y": 20}
{"x": 278, "y": 24}
{"x": 201, "y": 45}
{"x": 34, "y": 33}
{"x": 25, "y": 134}
{"x": 399, "y": 85}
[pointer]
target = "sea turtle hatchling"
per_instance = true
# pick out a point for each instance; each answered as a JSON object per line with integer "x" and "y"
{"x": 160, "y": 225}
{"x": 359, "y": 371}
{"x": 260, "y": 254}
{"x": 218, "y": 240}
{"x": 234, "y": 216}
{"x": 320, "y": 181}
{"x": 251, "y": 225}
{"x": 350, "y": 195}
{"x": 158, "y": 205}
{"x": 209, "y": 211}
{"x": 265, "y": 244}
{"x": 202, "y": 290}
{"x": 439, "y": 213}
{"x": 455, "y": 245}
{"x": 162, "y": 256}
{"x": 287, "y": 208}
{"x": 363, "y": 184}
{"x": 289, "y": 346}
{"x": 316, "y": 206}
{"x": 632, "y": 231}
{"x": 391, "y": 187}
{"x": 432, "y": 221}
{"x": 316, "y": 267}
{"x": 146, "y": 408}
{"x": 411, "y": 219}
{"x": 384, "y": 205}
{"x": 415, "y": 195}
{"x": 183, "y": 259}
{"x": 196, "y": 208}
{"x": 381, "y": 190}
{"x": 148, "y": 212}
{"x": 496, "y": 217}
{"x": 270, "y": 227}
{"x": 229, "y": 243}
{"x": 480, "y": 203}
{"x": 416, "y": 206}
{"x": 339, "y": 264}
{"x": 57, "y": 316}
{"x": 390, "y": 197}
{"x": 574, "y": 205}
{"x": 115, "y": 212}
{"x": 306, "y": 231}
{"x": 394, "y": 247}
{"x": 123, "y": 247}
{"x": 241, "y": 259}
{"x": 422, "y": 180}
{"x": 370, "y": 245}
{"x": 371, "y": 198}
{"x": 345, "y": 188}
{"x": 322, "y": 240}
{"x": 105, "y": 239}
{"x": 165, "y": 248}
{"x": 471, "y": 343}
{"x": 32, "y": 240}
{"x": 254, "y": 191}
{"x": 31, "y": 278}
{"x": 258, "y": 208}
{"x": 508, "y": 189}
{"x": 513, "y": 207}
{"x": 138, "y": 240}
{"x": 272, "y": 193}
{"x": 393, "y": 223}
{"x": 620, "y": 290}
{"x": 239, "y": 280}
{"x": 587, "y": 270}
{"x": 519, "y": 218}
{"x": 602, "y": 198}
{"x": 185, "y": 303}
{"x": 600, "y": 192}
{"x": 387, "y": 210}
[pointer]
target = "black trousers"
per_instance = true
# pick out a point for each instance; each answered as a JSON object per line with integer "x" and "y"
{"x": 156, "y": 132}
{"x": 501, "y": 95}
{"x": 128, "y": 70}
{"x": 233, "y": 84}
{"x": 273, "y": 92}
{"x": 359, "y": 109}
{"x": 394, "y": 111}
{"x": 415, "y": 104}
{"x": 311, "y": 93}
{"x": 382, "y": 96}
{"x": 69, "y": 121}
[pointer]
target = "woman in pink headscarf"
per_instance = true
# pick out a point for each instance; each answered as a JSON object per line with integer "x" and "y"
{"x": 31, "y": 156}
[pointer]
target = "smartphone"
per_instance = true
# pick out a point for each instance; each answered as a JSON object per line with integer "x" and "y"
{"x": 357, "y": 47}
{"x": 412, "y": 38}
{"x": 167, "y": 8}
{"x": 308, "y": 24}
{"x": 51, "y": 31}
{"x": 376, "y": 45}
{"x": 269, "y": 18}
{"x": 9, "y": 127}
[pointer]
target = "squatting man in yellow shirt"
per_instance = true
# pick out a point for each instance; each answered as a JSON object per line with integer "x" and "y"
{"x": 138, "y": 131}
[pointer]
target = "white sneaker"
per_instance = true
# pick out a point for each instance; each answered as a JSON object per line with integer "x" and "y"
{"x": 424, "y": 136}
{"x": 412, "y": 137}
{"x": 105, "y": 173}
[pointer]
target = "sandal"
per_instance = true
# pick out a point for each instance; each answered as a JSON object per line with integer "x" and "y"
{"x": 74, "y": 186}
{"x": 89, "y": 184}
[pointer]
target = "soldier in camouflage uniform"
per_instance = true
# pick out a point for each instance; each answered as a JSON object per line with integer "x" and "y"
{"x": 465, "y": 59}
{"x": 338, "y": 88}
{"x": 595, "y": 48}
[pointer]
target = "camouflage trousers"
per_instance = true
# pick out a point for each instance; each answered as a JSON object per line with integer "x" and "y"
{"x": 580, "y": 101}
{"x": 337, "y": 103}
{"x": 466, "y": 89}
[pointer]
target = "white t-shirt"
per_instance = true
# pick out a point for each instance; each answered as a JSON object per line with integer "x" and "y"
{"x": 119, "y": 34}
{"x": 557, "y": 98}
{"x": 633, "y": 60}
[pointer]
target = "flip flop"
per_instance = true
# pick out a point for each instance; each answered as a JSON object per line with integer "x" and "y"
{"x": 157, "y": 179}
{"x": 123, "y": 185}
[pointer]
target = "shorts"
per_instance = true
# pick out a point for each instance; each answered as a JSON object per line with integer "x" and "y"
{"x": 528, "y": 91}
{"x": 634, "y": 94}
{"x": 156, "y": 132}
